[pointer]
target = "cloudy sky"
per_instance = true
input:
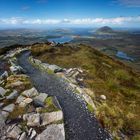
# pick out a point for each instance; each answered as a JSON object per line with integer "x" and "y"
{"x": 79, "y": 13}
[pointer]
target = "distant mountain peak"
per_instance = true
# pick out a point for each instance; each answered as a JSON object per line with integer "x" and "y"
{"x": 105, "y": 29}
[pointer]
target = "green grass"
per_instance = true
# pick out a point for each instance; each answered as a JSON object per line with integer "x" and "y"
{"x": 103, "y": 75}
{"x": 90, "y": 108}
{"x": 49, "y": 106}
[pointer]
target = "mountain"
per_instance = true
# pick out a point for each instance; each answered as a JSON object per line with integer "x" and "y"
{"x": 105, "y": 30}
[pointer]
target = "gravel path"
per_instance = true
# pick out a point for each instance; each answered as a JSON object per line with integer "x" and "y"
{"x": 79, "y": 124}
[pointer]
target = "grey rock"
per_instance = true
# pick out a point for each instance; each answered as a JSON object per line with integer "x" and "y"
{"x": 25, "y": 102}
{"x": 4, "y": 115}
{"x": 2, "y": 91}
{"x": 13, "y": 95}
{"x": 14, "y": 133}
{"x": 1, "y": 104}
{"x": 30, "y": 93}
{"x": 52, "y": 132}
{"x": 33, "y": 134}
{"x": 48, "y": 118}
{"x": 32, "y": 119}
{"x": 9, "y": 108}
{"x": 20, "y": 99}
{"x": 55, "y": 68}
{"x": 39, "y": 100}
{"x": 4, "y": 75}
{"x": 23, "y": 136}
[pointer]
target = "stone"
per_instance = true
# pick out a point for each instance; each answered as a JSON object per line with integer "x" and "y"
{"x": 30, "y": 93}
{"x": 55, "y": 68}
{"x": 13, "y": 95}
{"x": 9, "y": 108}
{"x": 16, "y": 84}
{"x": 20, "y": 99}
{"x": 4, "y": 114}
{"x": 14, "y": 133}
{"x": 32, "y": 119}
{"x": 23, "y": 136}
{"x": 103, "y": 97}
{"x": 25, "y": 102}
{"x": 39, "y": 100}
{"x": 4, "y": 75}
{"x": 52, "y": 132}
{"x": 33, "y": 134}
{"x": 16, "y": 69}
{"x": 1, "y": 105}
{"x": 48, "y": 118}
{"x": 2, "y": 91}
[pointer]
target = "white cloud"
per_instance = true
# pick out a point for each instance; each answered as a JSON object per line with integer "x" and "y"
{"x": 84, "y": 21}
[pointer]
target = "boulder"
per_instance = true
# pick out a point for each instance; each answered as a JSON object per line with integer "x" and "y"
{"x": 13, "y": 95}
{"x": 14, "y": 133}
{"x": 9, "y": 108}
{"x": 30, "y": 93}
{"x": 17, "y": 69}
{"x": 48, "y": 118}
{"x": 2, "y": 91}
{"x": 52, "y": 132}
{"x": 32, "y": 119}
{"x": 39, "y": 100}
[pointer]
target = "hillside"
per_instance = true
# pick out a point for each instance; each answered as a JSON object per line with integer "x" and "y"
{"x": 106, "y": 77}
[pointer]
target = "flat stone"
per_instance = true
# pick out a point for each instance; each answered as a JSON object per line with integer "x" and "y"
{"x": 9, "y": 108}
{"x": 4, "y": 75}
{"x": 33, "y": 134}
{"x": 13, "y": 95}
{"x": 52, "y": 132}
{"x": 32, "y": 119}
{"x": 48, "y": 118}
{"x": 39, "y": 100}
{"x": 4, "y": 114}
{"x": 2, "y": 91}
{"x": 1, "y": 104}
{"x": 14, "y": 133}
{"x": 30, "y": 93}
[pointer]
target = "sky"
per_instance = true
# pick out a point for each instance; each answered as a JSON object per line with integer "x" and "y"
{"x": 70, "y": 13}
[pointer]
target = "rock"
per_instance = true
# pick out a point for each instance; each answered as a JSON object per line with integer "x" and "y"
{"x": 30, "y": 93}
{"x": 48, "y": 118}
{"x": 33, "y": 134}
{"x": 16, "y": 84}
{"x": 9, "y": 108}
{"x": 25, "y": 102}
{"x": 38, "y": 109}
{"x": 4, "y": 114}
{"x": 20, "y": 99}
{"x": 13, "y": 95}
{"x": 32, "y": 119}
{"x": 55, "y": 68}
{"x": 23, "y": 136}
{"x": 1, "y": 104}
{"x": 17, "y": 69}
{"x": 103, "y": 97}
{"x": 14, "y": 133}
{"x": 39, "y": 100}
{"x": 2, "y": 91}
{"x": 4, "y": 75}
{"x": 52, "y": 132}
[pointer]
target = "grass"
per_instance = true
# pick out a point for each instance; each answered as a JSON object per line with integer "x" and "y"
{"x": 103, "y": 75}
{"x": 49, "y": 106}
{"x": 90, "y": 108}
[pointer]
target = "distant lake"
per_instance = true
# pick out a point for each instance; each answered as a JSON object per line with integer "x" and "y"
{"x": 63, "y": 39}
{"x": 123, "y": 55}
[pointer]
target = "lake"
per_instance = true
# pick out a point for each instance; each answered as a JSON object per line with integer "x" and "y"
{"x": 63, "y": 39}
{"x": 123, "y": 55}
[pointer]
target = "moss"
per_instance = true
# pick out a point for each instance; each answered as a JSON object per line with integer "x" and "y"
{"x": 90, "y": 108}
{"x": 49, "y": 106}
